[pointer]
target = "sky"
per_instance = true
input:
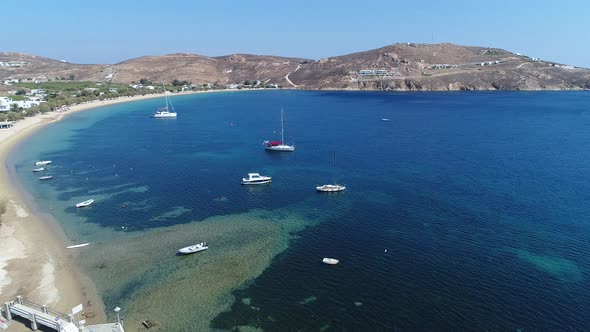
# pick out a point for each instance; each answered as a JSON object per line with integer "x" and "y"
{"x": 107, "y": 31}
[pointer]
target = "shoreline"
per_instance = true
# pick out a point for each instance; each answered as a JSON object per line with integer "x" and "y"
{"x": 34, "y": 261}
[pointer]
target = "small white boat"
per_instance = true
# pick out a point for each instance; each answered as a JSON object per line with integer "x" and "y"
{"x": 255, "y": 178}
{"x": 85, "y": 203}
{"x": 385, "y": 119}
{"x": 330, "y": 261}
{"x": 42, "y": 162}
{"x": 194, "y": 248}
{"x": 40, "y": 169}
{"x": 78, "y": 245}
{"x": 46, "y": 177}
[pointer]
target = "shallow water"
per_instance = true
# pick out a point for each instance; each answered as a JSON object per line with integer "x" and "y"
{"x": 465, "y": 211}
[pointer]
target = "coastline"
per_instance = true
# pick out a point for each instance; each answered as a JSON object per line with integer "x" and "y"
{"x": 34, "y": 262}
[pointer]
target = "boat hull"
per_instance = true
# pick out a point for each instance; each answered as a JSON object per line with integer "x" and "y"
{"x": 165, "y": 115}
{"x": 330, "y": 261}
{"x": 285, "y": 148}
{"x": 192, "y": 249}
{"x": 247, "y": 182}
{"x": 330, "y": 188}
{"x": 85, "y": 203}
{"x": 43, "y": 163}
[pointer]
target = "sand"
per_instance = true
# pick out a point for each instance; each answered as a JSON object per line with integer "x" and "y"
{"x": 34, "y": 262}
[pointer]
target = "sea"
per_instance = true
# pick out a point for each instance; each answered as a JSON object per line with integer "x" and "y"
{"x": 463, "y": 211}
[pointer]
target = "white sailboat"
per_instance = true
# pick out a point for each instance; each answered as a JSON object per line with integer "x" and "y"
{"x": 164, "y": 112}
{"x": 279, "y": 145}
{"x": 328, "y": 188}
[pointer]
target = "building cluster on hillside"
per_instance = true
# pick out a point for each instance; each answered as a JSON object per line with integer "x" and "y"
{"x": 13, "y": 64}
{"x": 374, "y": 74}
{"x": 33, "y": 98}
{"x": 141, "y": 86}
{"x": 490, "y": 63}
{"x": 442, "y": 66}
{"x": 36, "y": 80}
{"x": 7, "y": 102}
{"x": 561, "y": 66}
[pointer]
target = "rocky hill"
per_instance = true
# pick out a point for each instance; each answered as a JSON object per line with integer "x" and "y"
{"x": 404, "y": 66}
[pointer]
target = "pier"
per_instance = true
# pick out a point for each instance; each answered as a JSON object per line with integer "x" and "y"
{"x": 40, "y": 315}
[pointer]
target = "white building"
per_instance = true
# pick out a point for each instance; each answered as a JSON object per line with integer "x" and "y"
{"x": 37, "y": 91}
{"x": 6, "y": 103}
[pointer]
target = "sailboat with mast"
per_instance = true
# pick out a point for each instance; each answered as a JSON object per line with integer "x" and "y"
{"x": 329, "y": 188}
{"x": 279, "y": 145}
{"x": 164, "y": 112}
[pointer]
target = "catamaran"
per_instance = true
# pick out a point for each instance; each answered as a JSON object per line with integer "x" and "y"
{"x": 164, "y": 112}
{"x": 331, "y": 187}
{"x": 279, "y": 145}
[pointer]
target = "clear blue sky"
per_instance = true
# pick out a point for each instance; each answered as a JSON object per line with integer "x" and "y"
{"x": 106, "y": 31}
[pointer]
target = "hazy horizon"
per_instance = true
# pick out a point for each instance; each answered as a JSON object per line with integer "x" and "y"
{"x": 110, "y": 32}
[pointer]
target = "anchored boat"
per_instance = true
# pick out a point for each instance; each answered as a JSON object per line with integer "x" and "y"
{"x": 194, "y": 248}
{"x": 85, "y": 203}
{"x": 330, "y": 261}
{"x": 255, "y": 178}
{"x": 331, "y": 187}
{"x": 164, "y": 112}
{"x": 279, "y": 145}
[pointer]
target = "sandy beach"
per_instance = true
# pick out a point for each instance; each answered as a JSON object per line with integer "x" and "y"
{"x": 34, "y": 262}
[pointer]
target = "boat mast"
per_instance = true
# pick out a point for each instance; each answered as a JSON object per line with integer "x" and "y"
{"x": 165, "y": 96}
{"x": 282, "y": 129}
{"x": 334, "y": 170}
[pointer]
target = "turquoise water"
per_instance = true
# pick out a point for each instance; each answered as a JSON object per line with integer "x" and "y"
{"x": 465, "y": 211}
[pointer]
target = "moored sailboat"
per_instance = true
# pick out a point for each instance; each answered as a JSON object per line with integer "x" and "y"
{"x": 331, "y": 187}
{"x": 279, "y": 145}
{"x": 164, "y": 112}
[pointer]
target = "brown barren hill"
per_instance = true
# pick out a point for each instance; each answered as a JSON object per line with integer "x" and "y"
{"x": 404, "y": 66}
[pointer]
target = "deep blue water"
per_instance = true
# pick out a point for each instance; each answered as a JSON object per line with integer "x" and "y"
{"x": 465, "y": 211}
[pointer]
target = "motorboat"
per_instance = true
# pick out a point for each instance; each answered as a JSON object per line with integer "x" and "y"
{"x": 40, "y": 169}
{"x": 42, "y": 162}
{"x": 330, "y": 261}
{"x": 164, "y": 112}
{"x": 85, "y": 203}
{"x": 255, "y": 178}
{"x": 330, "y": 188}
{"x": 279, "y": 145}
{"x": 78, "y": 245}
{"x": 194, "y": 248}
{"x": 46, "y": 177}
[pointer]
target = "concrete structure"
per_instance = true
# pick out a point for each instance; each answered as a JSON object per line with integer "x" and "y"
{"x": 6, "y": 124}
{"x": 40, "y": 315}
